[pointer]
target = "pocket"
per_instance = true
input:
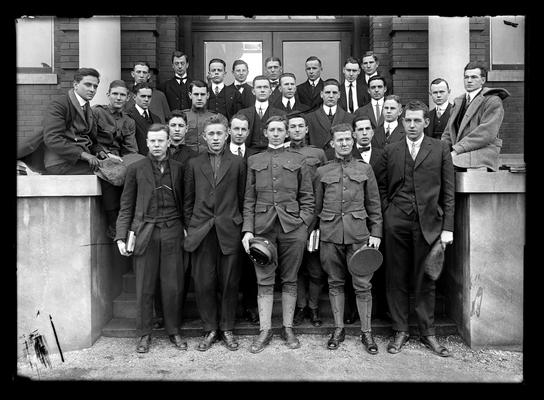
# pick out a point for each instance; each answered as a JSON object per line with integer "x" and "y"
{"x": 261, "y": 208}
{"x": 292, "y": 167}
{"x": 357, "y": 176}
{"x": 238, "y": 220}
{"x": 330, "y": 179}
{"x": 292, "y": 208}
{"x": 326, "y": 216}
{"x": 359, "y": 214}
{"x": 259, "y": 166}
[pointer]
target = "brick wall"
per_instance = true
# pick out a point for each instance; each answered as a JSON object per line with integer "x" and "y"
{"x": 168, "y": 35}
{"x": 380, "y": 41}
{"x": 479, "y": 39}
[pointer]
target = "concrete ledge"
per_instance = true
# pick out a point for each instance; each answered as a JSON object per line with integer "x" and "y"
{"x": 37, "y": 79}
{"x": 58, "y": 185}
{"x": 489, "y": 182}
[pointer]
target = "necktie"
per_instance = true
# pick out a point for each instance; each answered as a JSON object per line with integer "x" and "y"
{"x": 85, "y": 111}
{"x": 350, "y": 106}
{"x": 312, "y": 84}
{"x": 438, "y": 112}
{"x": 387, "y": 132}
{"x": 413, "y": 151}
{"x": 331, "y": 116}
{"x": 240, "y": 151}
{"x": 216, "y": 90}
{"x": 289, "y": 108}
{"x": 378, "y": 113}
{"x": 260, "y": 112}
{"x": 147, "y": 117}
{"x": 364, "y": 148}
{"x": 273, "y": 85}
{"x": 238, "y": 86}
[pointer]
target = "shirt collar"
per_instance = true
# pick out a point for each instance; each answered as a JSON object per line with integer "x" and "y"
{"x": 80, "y": 99}
{"x": 316, "y": 81}
{"x": 380, "y": 102}
{"x": 219, "y": 85}
{"x": 326, "y": 109}
{"x": 140, "y": 109}
{"x": 181, "y": 77}
{"x": 284, "y": 100}
{"x": 367, "y": 77}
{"x": 234, "y": 148}
{"x": 392, "y": 125}
{"x": 474, "y": 93}
{"x": 347, "y": 83}
{"x": 359, "y": 146}
{"x": 262, "y": 104}
{"x": 155, "y": 161}
{"x": 276, "y": 148}
{"x": 442, "y": 107}
{"x": 417, "y": 142}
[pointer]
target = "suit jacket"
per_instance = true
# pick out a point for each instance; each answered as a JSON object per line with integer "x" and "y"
{"x": 67, "y": 131}
{"x": 368, "y": 110}
{"x": 306, "y": 96}
{"x": 275, "y": 94}
{"x": 248, "y": 98}
{"x": 233, "y": 101}
{"x": 176, "y": 94}
{"x": 182, "y": 154}
{"x": 158, "y": 105}
{"x": 477, "y": 142}
{"x": 135, "y": 200}
{"x": 141, "y": 128}
{"x": 216, "y": 202}
{"x": 436, "y": 132}
{"x": 255, "y": 124}
{"x": 379, "y": 140}
{"x": 362, "y": 95}
{"x": 298, "y": 106}
{"x": 319, "y": 126}
{"x": 434, "y": 183}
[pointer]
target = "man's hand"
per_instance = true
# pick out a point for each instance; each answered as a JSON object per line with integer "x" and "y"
{"x": 122, "y": 248}
{"x": 453, "y": 153}
{"x": 111, "y": 155}
{"x": 102, "y": 155}
{"x": 93, "y": 161}
{"x": 446, "y": 237}
{"x": 374, "y": 241}
{"x": 184, "y": 232}
{"x": 245, "y": 241}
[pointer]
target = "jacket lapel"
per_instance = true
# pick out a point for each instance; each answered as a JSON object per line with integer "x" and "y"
{"x": 423, "y": 152}
{"x": 77, "y": 106}
{"x": 471, "y": 110}
{"x": 323, "y": 120}
{"x": 206, "y": 169}
{"x": 225, "y": 165}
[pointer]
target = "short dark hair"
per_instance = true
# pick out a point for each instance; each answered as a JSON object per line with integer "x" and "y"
{"x": 117, "y": 83}
{"x": 139, "y": 86}
{"x": 363, "y": 117}
{"x": 416, "y": 105}
{"x": 216, "y": 119}
{"x": 331, "y": 81}
{"x": 217, "y": 60}
{"x": 141, "y": 63}
{"x": 272, "y": 58}
{"x": 352, "y": 60}
{"x": 159, "y": 127}
{"x": 376, "y": 78}
{"x": 477, "y": 64}
{"x": 313, "y": 58}
{"x": 240, "y": 116}
{"x": 238, "y": 62}
{"x": 438, "y": 81}
{"x": 287, "y": 74}
{"x": 276, "y": 118}
{"x": 393, "y": 97}
{"x": 368, "y": 54}
{"x": 296, "y": 114}
{"x": 344, "y": 126}
{"x": 197, "y": 83}
{"x": 177, "y": 53}
{"x": 260, "y": 78}
{"x": 176, "y": 114}
{"x": 82, "y": 72}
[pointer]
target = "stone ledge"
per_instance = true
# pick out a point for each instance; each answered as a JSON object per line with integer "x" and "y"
{"x": 489, "y": 182}
{"x": 58, "y": 185}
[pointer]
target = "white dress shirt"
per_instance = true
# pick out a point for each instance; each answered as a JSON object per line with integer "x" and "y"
{"x": 141, "y": 111}
{"x": 417, "y": 143}
{"x": 365, "y": 154}
{"x": 80, "y": 99}
{"x": 180, "y": 78}
{"x": 262, "y": 104}
{"x": 380, "y": 103}
{"x": 442, "y": 108}
{"x": 219, "y": 86}
{"x": 234, "y": 148}
{"x": 316, "y": 81}
{"x": 284, "y": 100}
{"x": 473, "y": 94}
{"x": 367, "y": 77}
{"x": 326, "y": 109}
{"x": 391, "y": 125}
{"x": 354, "y": 94}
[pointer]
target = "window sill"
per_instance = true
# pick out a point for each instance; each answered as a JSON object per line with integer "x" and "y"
{"x": 37, "y": 79}
{"x": 506, "y": 76}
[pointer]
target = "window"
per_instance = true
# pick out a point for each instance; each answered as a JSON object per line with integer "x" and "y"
{"x": 507, "y": 48}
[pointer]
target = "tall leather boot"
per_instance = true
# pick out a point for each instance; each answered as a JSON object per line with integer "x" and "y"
{"x": 288, "y": 303}
{"x": 364, "y": 306}
{"x": 337, "y": 305}
{"x": 265, "y": 303}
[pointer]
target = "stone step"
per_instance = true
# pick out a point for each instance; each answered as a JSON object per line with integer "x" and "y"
{"x": 126, "y": 327}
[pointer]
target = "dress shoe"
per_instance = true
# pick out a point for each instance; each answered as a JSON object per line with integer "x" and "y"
{"x": 159, "y": 323}
{"x": 336, "y": 338}
{"x": 368, "y": 340}
{"x": 396, "y": 342}
{"x": 143, "y": 344}
{"x": 229, "y": 340}
{"x": 288, "y": 334}
{"x": 260, "y": 342}
{"x": 351, "y": 317}
{"x": 178, "y": 341}
{"x": 209, "y": 339}
{"x": 252, "y": 316}
{"x": 300, "y": 314}
{"x": 432, "y": 343}
{"x": 314, "y": 317}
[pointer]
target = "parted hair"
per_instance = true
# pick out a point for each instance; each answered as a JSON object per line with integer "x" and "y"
{"x": 216, "y": 119}
{"x": 144, "y": 85}
{"x": 82, "y": 72}
{"x": 178, "y": 114}
{"x": 416, "y": 105}
{"x": 344, "y": 126}
{"x": 276, "y": 118}
{"x": 477, "y": 64}
{"x": 159, "y": 127}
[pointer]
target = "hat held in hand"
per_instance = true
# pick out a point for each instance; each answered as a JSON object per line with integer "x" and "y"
{"x": 365, "y": 261}
{"x": 261, "y": 250}
{"x": 112, "y": 170}
{"x": 434, "y": 261}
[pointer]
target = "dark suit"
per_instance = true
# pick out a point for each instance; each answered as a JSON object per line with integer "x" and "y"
{"x": 319, "y": 126}
{"x": 297, "y": 106}
{"x": 275, "y": 94}
{"x": 437, "y": 125}
{"x": 418, "y": 203}
{"x": 141, "y": 128}
{"x": 255, "y": 138}
{"x": 309, "y": 95}
{"x": 248, "y": 98}
{"x": 379, "y": 140}
{"x": 228, "y": 101}
{"x": 213, "y": 206}
{"x": 368, "y": 110}
{"x": 176, "y": 94}
{"x": 158, "y": 250}
{"x": 362, "y": 95}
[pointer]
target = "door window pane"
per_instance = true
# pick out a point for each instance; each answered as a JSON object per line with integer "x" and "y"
{"x": 296, "y": 53}
{"x": 507, "y": 41}
{"x": 34, "y": 43}
{"x": 250, "y": 52}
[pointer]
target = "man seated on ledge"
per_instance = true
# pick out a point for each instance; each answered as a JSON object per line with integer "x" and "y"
{"x": 476, "y": 117}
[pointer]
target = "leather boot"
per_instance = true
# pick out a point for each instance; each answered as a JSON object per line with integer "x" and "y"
{"x": 364, "y": 307}
{"x": 265, "y": 303}
{"x": 337, "y": 305}
{"x": 288, "y": 304}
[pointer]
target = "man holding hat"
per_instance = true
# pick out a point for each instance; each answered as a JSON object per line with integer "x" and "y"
{"x": 279, "y": 207}
{"x": 348, "y": 206}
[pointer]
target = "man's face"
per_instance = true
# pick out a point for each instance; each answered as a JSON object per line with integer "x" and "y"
{"x": 288, "y": 86}
{"x": 414, "y": 124}
{"x": 238, "y": 131}
{"x": 261, "y": 89}
{"x": 440, "y": 93}
{"x": 473, "y": 79}
{"x": 297, "y": 129}
{"x": 273, "y": 70}
{"x": 143, "y": 98}
{"x": 240, "y": 73}
{"x": 330, "y": 95}
{"x": 363, "y": 132}
{"x": 199, "y": 96}
{"x": 351, "y": 71}
{"x": 217, "y": 72}
{"x": 342, "y": 142}
{"x": 158, "y": 143}
{"x": 276, "y": 133}
{"x": 377, "y": 89}
{"x": 391, "y": 110}
{"x": 140, "y": 73}
{"x": 117, "y": 96}
{"x": 178, "y": 129}
{"x": 86, "y": 87}
{"x": 369, "y": 65}
{"x": 180, "y": 65}
{"x": 215, "y": 135}
{"x": 313, "y": 69}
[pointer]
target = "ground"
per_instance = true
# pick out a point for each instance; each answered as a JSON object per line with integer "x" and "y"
{"x": 115, "y": 359}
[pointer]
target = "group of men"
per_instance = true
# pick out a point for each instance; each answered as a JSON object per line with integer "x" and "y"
{"x": 222, "y": 166}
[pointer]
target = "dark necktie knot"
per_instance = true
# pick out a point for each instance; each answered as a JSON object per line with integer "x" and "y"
{"x": 238, "y": 86}
{"x": 364, "y": 148}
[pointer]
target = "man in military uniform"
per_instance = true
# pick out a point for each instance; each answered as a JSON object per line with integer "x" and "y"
{"x": 197, "y": 115}
{"x": 349, "y": 209}
{"x": 311, "y": 274}
{"x": 279, "y": 206}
